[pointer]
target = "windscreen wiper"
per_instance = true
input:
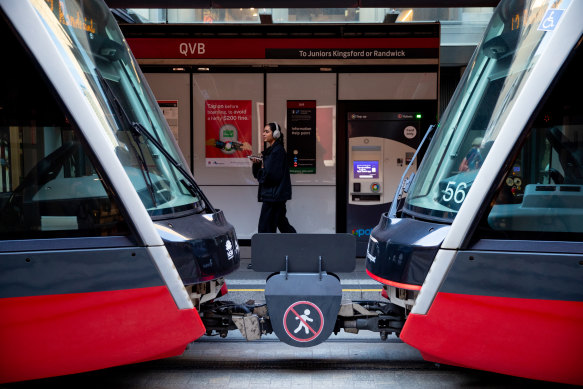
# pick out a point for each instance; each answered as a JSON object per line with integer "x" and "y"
{"x": 138, "y": 129}
{"x": 405, "y": 183}
{"x": 190, "y": 185}
{"x": 139, "y": 153}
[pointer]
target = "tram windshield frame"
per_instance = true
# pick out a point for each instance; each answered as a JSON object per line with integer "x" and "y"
{"x": 101, "y": 62}
{"x": 496, "y": 73}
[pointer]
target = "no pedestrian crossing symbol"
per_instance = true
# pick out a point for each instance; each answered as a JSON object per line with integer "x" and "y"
{"x": 303, "y": 321}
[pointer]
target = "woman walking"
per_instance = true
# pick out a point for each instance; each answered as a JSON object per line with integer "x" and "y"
{"x": 272, "y": 173}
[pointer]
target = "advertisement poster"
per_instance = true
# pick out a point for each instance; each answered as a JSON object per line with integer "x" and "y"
{"x": 301, "y": 136}
{"x": 228, "y": 133}
{"x": 326, "y": 135}
{"x": 170, "y": 110}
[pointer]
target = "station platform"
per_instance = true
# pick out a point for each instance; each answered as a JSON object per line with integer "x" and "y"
{"x": 246, "y": 284}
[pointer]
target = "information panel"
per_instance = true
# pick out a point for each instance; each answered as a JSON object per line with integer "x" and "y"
{"x": 301, "y": 133}
{"x": 170, "y": 110}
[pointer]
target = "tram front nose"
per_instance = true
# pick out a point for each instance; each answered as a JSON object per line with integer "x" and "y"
{"x": 203, "y": 247}
{"x": 401, "y": 251}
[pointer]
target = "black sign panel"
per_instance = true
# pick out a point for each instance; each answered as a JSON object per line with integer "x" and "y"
{"x": 301, "y": 136}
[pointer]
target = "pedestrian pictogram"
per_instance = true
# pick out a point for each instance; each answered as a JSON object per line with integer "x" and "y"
{"x": 303, "y": 321}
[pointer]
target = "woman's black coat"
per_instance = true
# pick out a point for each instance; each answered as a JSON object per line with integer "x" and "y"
{"x": 273, "y": 177}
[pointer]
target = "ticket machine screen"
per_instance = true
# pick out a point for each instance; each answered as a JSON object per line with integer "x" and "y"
{"x": 366, "y": 169}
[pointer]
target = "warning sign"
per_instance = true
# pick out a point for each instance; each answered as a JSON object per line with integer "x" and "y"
{"x": 303, "y": 321}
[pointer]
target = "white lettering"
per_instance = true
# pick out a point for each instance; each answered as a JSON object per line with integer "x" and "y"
{"x": 458, "y": 195}
{"x": 192, "y": 48}
{"x": 183, "y": 49}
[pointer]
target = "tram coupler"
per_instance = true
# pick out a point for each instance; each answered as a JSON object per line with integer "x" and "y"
{"x": 376, "y": 316}
{"x": 251, "y": 319}
{"x": 303, "y": 295}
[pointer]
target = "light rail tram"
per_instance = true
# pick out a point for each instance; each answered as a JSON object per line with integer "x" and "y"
{"x": 485, "y": 252}
{"x": 107, "y": 245}
{"x": 111, "y": 254}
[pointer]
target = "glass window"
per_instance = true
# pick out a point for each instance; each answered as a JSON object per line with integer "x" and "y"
{"x": 100, "y": 60}
{"x": 472, "y": 121}
{"x": 49, "y": 186}
{"x": 471, "y": 15}
{"x": 541, "y": 195}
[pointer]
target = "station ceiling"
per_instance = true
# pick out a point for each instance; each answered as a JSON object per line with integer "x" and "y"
{"x": 205, "y": 4}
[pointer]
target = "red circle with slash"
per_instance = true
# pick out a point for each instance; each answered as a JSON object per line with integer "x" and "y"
{"x": 306, "y": 315}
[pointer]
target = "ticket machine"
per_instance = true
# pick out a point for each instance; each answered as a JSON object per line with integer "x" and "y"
{"x": 380, "y": 146}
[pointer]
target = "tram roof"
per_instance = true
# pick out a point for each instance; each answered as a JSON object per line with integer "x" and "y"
{"x": 299, "y": 3}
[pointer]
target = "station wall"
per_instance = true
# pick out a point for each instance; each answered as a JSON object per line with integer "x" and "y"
{"x": 233, "y": 189}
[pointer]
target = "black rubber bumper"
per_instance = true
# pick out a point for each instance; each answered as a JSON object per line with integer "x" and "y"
{"x": 203, "y": 247}
{"x": 402, "y": 250}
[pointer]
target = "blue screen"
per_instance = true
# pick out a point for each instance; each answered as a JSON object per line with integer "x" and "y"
{"x": 366, "y": 169}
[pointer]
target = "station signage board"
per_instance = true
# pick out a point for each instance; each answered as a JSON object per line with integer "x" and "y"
{"x": 285, "y": 48}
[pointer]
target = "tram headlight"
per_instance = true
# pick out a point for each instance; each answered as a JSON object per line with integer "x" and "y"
{"x": 372, "y": 249}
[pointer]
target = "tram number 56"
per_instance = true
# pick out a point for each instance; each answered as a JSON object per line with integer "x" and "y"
{"x": 458, "y": 195}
